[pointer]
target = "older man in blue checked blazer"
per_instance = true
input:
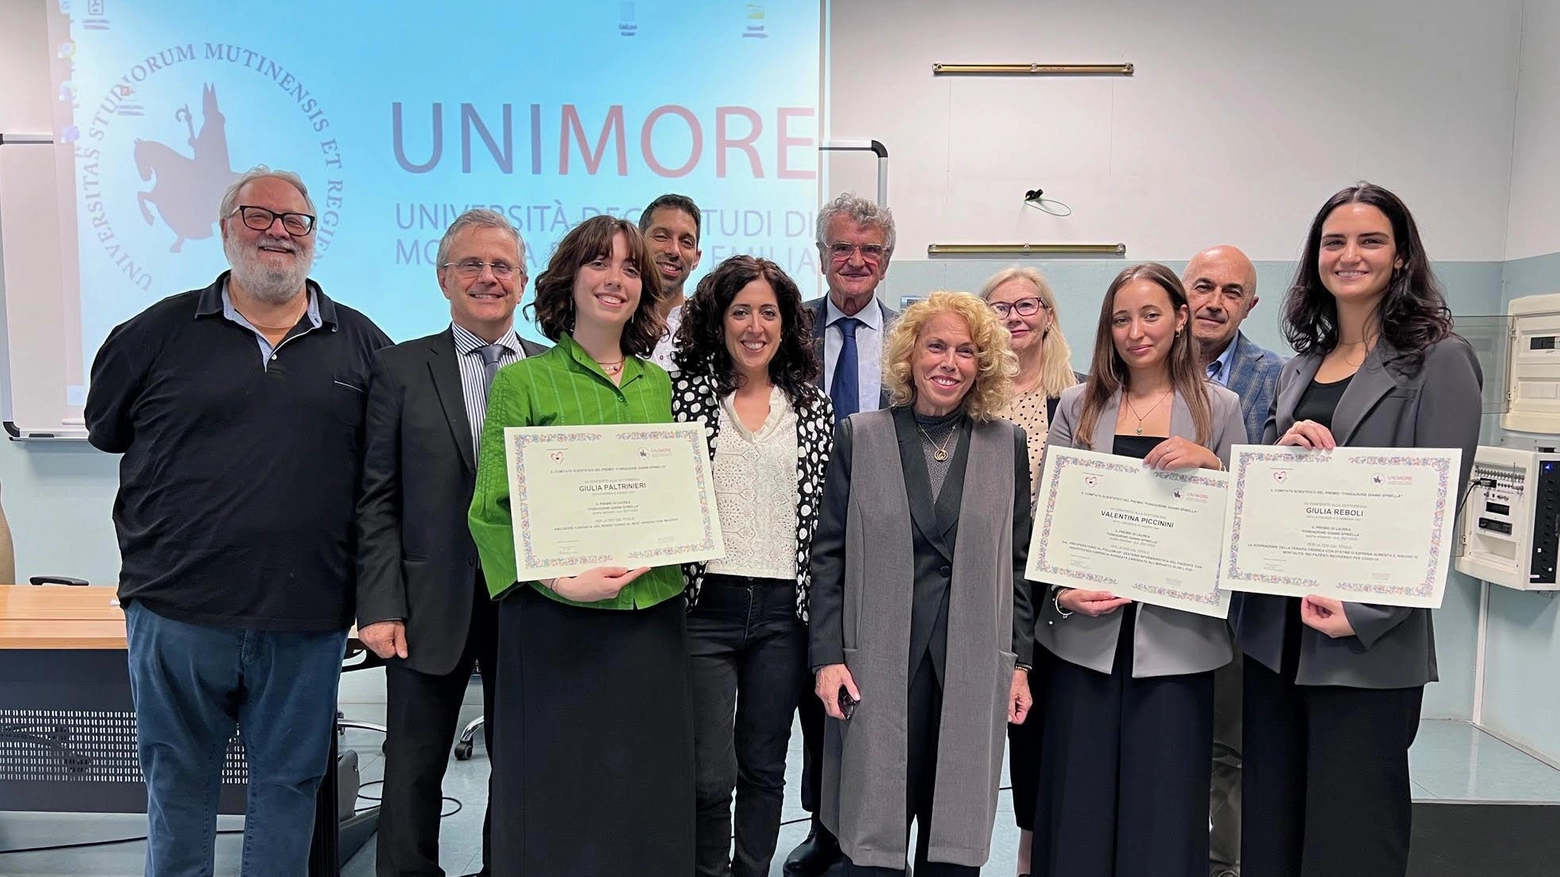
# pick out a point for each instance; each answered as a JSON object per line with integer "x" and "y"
{"x": 1221, "y": 286}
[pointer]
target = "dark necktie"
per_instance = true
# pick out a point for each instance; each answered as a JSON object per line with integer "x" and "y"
{"x": 491, "y": 354}
{"x": 845, "y": 391}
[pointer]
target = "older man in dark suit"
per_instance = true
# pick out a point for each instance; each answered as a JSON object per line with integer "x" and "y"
{"x": 855, "y": 243}
{"x": 1221, "y": 287}
{"x": 422, "y": 601}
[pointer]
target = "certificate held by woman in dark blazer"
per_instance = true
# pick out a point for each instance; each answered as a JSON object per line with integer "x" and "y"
{"x": 920, "y": 612}
{"x": 1333, "y": 690}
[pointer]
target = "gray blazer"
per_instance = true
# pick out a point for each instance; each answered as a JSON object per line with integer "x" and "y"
{"x": 1166, "y": 642}
{"x": 1440, "y": 406}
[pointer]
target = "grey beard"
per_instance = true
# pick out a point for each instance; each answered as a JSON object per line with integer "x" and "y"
{"x": 264, "y": 283}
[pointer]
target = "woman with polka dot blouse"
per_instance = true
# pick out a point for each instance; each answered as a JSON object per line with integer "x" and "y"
{"x": 746, "y": 368}
{"x": 1023, "y": 301}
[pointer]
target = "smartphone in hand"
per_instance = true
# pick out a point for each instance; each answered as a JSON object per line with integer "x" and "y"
{"x": 847, "y": 703}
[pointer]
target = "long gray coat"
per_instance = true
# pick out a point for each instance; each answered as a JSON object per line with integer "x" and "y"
{"x": 862, "y": 602}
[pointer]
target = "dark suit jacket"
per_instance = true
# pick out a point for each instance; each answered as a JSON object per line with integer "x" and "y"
{"x": 820, "y": 312}
{"x": 933, "y": 537}
{"x": 416, "y": 559}
{"x": 1439, "y": 406}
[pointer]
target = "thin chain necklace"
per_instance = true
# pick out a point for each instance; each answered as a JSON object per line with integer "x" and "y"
{"x": 1142, "y": 417}
{"x": 939, "y": 452}
{"x": 611, "y": 368}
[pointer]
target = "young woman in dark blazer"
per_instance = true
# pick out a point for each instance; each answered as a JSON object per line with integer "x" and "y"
{"x": 1333, "y": 690}
{"x": 1124, "y": 767}
{"x": 746, "y": 367}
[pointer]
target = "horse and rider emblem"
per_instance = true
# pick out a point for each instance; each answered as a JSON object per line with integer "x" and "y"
{"x": 181, "y": 191}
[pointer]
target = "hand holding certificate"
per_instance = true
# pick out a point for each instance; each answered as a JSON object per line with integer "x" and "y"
{"x": 624, "y": 495}
{"x": 1111, "y": 523}
{"x": 1356, "y": 524}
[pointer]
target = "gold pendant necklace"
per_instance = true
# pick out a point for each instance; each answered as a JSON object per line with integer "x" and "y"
{"x": 939, "y": 452}
{"x": 1140, "y": 417}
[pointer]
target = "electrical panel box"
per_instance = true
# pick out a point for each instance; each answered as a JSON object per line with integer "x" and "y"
{"x": 1511, "y": 521}
{"x": 1533, "y": 365}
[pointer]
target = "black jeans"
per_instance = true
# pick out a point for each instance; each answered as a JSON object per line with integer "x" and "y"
{"x": 749, "y": 662}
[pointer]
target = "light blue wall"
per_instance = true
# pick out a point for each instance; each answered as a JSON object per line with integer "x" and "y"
{"x": 59, "y": 496}
{"x": 1522, "y": 652}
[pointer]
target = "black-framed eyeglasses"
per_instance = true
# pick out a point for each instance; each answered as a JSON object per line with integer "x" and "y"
{"x": 841, "y": 252}
{"x": 261, "y": 219}
{"x": 469, "y": 268}
{"x": 1026, "y": 307}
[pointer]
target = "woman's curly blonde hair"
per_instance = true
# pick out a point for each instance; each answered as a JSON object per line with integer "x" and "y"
{"x": 995, "y": 362}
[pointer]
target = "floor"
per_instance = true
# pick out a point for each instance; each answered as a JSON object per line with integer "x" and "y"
{"x": 1450, "y": 761}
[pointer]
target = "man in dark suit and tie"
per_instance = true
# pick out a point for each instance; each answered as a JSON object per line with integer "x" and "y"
{"x": 1221, "y": 288}
{"x": 422, "y": 602}
{"x": 855, "y": 243}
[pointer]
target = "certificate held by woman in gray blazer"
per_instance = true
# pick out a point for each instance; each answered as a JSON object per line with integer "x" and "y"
{"x": 1124, "y": 761}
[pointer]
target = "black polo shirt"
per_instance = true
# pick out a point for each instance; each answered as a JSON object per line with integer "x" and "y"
{"x": 240, "y": 474}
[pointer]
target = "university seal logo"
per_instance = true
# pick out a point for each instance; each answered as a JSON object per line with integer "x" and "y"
{"x": 168, "y": 137}
{"x": 182, "y": 185}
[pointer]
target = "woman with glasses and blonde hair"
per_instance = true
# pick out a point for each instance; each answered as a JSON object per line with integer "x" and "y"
{"x": 1022, "y": 299}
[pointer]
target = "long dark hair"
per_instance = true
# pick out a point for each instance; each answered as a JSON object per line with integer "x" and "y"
{"x": 1108, "y": 373}
{"x": 553, "y": 303}
{"x": 1412, "y": 312}
{"x": 701, "y": 338}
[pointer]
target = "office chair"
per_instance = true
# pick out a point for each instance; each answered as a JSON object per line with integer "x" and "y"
{"x": 468, "y": 735}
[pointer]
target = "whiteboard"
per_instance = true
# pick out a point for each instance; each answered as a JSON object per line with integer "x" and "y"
{"x": 43, "y": 355}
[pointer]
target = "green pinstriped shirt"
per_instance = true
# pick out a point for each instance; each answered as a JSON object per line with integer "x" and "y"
{"x": 562, "y": 387}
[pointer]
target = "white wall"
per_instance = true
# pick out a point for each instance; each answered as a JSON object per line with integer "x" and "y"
{"x": 1533, "y": 227}
{"x": 24, "y": 68}
{"x": 1243, "y": 116}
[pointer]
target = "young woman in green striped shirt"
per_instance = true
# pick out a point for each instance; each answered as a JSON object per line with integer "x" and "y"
{"x": 593, "y": 740}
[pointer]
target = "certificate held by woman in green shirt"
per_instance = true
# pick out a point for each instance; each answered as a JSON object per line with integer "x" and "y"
{"x": 593, "y": 690}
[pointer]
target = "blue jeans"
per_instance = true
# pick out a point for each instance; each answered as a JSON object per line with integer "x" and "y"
{"x": 191, "y": 685}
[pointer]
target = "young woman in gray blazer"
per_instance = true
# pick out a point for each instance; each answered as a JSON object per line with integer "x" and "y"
{"x": 1333, "y": 690}
{"x": 1124, "y": 767}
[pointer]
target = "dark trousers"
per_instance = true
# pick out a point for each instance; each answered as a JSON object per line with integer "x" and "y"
{"x": 1224, "y": 797}
{"x": 1326, "y": 769}
{"x": 809, "y": 712}
{"x": 192, "y": 685}
{"x": 748, "y": 657}
{"x": 1124, "y": 772}
{"x": 923, "y": 722}
{"x": 1024, "y": 743}
{"x": 422, "y": 712}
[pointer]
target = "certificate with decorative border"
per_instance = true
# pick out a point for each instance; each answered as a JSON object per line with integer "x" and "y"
{"x": 627, "y": 495}
{"x": 1366, "y": 525}
{"x": 1110, "y": 523}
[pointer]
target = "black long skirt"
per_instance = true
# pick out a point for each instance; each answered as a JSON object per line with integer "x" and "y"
{"x": 593, "y": 771}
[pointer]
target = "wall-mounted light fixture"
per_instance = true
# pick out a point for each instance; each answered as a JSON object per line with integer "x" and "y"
{"x": 1032, "y": 69}
{"x": 1026, "y": 249}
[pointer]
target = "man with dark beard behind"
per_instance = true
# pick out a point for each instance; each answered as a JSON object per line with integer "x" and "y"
{"x": 235, "y": 518}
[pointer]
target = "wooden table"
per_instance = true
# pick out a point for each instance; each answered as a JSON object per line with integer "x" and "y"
{"x": 65, "y": 657}
{"x": 57, "y": 617}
